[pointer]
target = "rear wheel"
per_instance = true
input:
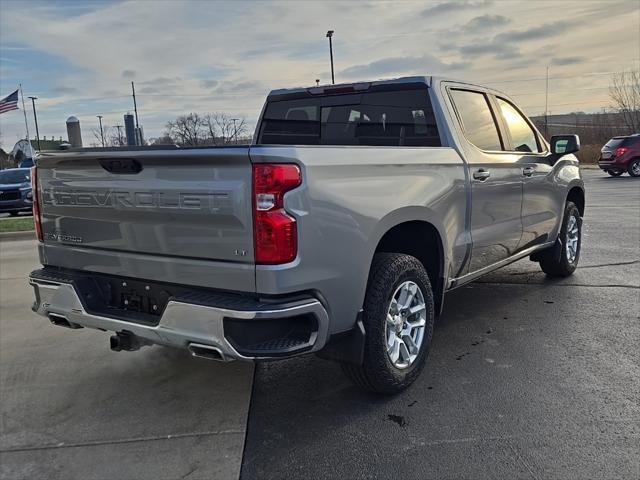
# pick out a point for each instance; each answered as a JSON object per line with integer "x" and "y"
{"x": 398, "y": 321}
{"x": 562, "y": 260}
{"x": 14, "y": 213}
{"x": 634, "y": 167}
{"x": 615, "y": 173}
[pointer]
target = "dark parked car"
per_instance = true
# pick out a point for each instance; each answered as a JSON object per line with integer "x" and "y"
{"x": 621, "y": 154}
{"x": 15, "y": 190}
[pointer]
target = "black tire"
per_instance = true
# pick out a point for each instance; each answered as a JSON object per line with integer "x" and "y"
{"x": 14, "y": 214}
{"x": 554, "y": 262}
{"x": 377, "y": 373}
{"x": 633, "y": 168}
{"x": 615, "y": 173}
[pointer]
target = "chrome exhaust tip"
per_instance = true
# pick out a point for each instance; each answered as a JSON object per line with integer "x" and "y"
{"x": 62, "y": 321}
{"x": 207, "y": 351}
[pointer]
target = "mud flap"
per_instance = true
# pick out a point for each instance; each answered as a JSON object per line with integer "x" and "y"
{"x": 347, "y": 346}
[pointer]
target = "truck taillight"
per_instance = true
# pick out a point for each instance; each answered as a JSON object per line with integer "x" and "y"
{"x": 36, "y": 203}
{"x": 275, "y": 234}
{"x": 621, "y": 151}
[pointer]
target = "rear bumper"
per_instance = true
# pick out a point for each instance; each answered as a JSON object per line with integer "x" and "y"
{"x": 198, "y": 324}
{"x": 612, "y": 164}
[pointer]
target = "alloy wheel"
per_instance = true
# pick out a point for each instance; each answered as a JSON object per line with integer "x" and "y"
{"x": 406, "y": 320}
{"x": 573, "y": 239}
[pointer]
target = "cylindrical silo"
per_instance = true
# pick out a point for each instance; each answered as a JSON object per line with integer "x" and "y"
{"x": 130, "y": 129}
{"x": 73, "y": 132}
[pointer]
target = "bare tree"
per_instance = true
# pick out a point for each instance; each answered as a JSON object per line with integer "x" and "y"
{"x": 187, "y": 129}
{"x": 624, "y": 91}
{"x": 222, "y": 128}
{"x": 163, "y": 140}
{"x": 110, "y": 136}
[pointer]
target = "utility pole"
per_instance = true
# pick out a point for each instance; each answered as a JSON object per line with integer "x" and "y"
{"x": 101, "y": 132}
{"x": 135, "y": 109}
{"x": 119, "y": 135}
{"x": 546, "y": 107}
{"x": 35, "y": 117}
{"x": 330, "y": 36}
{"x": 24, "y": 111}
{"x": 235, "y": 130}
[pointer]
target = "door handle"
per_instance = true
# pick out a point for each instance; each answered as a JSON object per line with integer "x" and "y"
{"x": 481, "y": 174}
{"x": 528, "y": 171}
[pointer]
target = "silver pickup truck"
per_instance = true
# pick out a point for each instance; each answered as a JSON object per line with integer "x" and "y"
{"x": 338, "y": 231}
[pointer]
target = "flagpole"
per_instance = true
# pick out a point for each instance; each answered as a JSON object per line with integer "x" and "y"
{"x": 26, "y": 123}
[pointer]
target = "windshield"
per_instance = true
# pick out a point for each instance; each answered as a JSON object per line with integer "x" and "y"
{"x": 14, "y": 176}
{"x": 393, "y": 118}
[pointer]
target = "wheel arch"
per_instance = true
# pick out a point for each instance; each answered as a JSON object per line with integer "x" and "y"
{"x": 576, "y": 195}
{"x": 419, "y": 238}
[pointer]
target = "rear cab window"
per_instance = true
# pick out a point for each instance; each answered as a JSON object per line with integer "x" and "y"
{"x": 401, "y": 117}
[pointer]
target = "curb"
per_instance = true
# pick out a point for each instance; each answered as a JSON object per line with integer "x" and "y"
{"x": 11, "y": 236}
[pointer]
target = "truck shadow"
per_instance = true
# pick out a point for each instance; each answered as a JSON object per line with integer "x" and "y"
{"x": 306, "y": 408}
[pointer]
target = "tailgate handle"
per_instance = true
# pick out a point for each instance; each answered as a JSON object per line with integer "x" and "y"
{"x": 121, "y": 165}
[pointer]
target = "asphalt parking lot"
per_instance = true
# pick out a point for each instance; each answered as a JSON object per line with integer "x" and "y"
{"x": 527, "y": 378}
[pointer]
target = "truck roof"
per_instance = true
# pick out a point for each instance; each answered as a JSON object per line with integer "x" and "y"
{"x": 416, "y": 79}
{"x": 428, "y": 80}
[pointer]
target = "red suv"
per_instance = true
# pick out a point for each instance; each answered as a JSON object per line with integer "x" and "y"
{"x": 621, "y": 154}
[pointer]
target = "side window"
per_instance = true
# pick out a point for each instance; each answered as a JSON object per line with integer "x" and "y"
{"x": 477, "y": 120}
{"x": 522, "y": 135}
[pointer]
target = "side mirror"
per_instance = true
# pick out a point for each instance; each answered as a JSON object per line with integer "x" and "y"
{"x": 564, "y": 144}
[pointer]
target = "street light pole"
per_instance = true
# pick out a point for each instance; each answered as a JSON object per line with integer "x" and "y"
{"x": 119, "y": 135}
{"x": 101, "y": 132}
{"x": 330, "y": 36}
{"x": 35, "y": 117}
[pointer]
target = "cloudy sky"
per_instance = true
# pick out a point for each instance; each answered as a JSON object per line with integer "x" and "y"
{"x": 206, "y": 56}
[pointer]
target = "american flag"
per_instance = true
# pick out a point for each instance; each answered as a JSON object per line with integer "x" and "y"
{"x": 10, "y": 102}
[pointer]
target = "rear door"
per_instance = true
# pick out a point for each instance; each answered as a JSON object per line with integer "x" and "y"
{"x": 184, "y": 209}
{"x": 496, "y": 180}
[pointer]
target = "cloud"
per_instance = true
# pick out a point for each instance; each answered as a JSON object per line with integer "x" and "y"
{"x": 159, "y": 81}
{"x": 129, "y": 74}
{"x": 63, "y": 90}
{"x": 504, "y": 46}
{"x": 501, "y": 51}
{"x": 543, "y": 31}
{"x": 209, "y": 83}
{"x": 395, "y": 66}
{"x": 453, "y": 6}
{"x": 227, "y": 87}
{"x": 560, "y": 61}
{"x": 485, "y": 22}
{"x": 147, "y": 90}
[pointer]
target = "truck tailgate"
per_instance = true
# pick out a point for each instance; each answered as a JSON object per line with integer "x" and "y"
{"x": 191, "y": 204}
